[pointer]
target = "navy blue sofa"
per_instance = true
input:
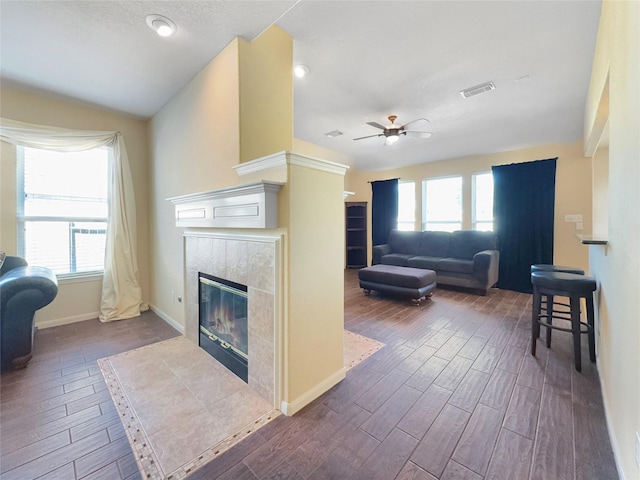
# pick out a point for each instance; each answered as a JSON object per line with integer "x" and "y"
{"x": 464, "y": 258}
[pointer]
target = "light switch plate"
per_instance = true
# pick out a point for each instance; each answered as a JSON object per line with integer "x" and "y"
{"x": 573, "y": 218}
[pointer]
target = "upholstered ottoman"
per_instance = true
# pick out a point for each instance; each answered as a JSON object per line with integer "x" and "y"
{"x": 413, "y": 283}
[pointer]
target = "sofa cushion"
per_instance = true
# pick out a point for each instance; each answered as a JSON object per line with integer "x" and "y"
{"x": 399, "y": 259}
{"x": 455, "y": 265}
{"x": 430, "y": 263}
{"x": 466, "y": 243}
{"x": 434, "y": 244}
{"x": 404, "y": 242}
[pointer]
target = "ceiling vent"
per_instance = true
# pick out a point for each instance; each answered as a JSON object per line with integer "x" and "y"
{"x": 334, "y": 133}
{"x": 478, "y": 89}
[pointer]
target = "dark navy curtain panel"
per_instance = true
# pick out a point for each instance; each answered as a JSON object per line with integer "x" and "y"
{"x": 384, "y": 210}
{"x": 523, "y": 212}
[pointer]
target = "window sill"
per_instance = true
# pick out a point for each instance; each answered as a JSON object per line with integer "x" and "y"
{"x": 79, "y": 278}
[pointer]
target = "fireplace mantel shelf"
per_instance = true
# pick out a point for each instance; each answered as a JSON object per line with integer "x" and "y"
{"x": 251, "y": 205}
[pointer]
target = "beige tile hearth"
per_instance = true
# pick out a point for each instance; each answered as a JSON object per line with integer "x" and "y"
{"x": 179, "y": 406}
{"x": 358, "y": 348}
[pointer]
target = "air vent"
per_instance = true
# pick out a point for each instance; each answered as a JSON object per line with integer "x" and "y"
{"x": 334, "y": 133}
{"x": 478, "y": 89}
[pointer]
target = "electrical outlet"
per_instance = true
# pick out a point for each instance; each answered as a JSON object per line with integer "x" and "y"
{"x": 579, "y": 225}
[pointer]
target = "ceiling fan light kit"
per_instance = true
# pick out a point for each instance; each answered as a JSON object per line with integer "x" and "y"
{"x": 393, "y": 131}
{"x": 391, "y": 139}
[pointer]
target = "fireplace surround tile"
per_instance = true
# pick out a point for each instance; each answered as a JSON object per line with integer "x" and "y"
{"x": 249, "y": 260}
{"x": 261, "y": 265}
{"x": 204, "y": 251}
{"x": 219, "y": 258}
{"x": 261, "y": 374}
{"x": 260, "y": 311}
{"x": 237, "y": 262}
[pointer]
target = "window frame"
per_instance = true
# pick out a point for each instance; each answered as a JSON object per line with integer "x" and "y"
{"x": 474, "y": 221}
{"x": 413, "y": 220}
{"x": 22, "y": 218}
{"x": 424, "y": 202}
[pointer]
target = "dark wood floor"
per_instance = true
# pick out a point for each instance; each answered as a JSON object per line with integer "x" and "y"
{"x": 454, "y": 395}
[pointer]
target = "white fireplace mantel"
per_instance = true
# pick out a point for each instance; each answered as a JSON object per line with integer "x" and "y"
{"x": 252, "y": 205}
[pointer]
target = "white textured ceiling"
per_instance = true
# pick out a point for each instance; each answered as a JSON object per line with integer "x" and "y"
{"x": 368, "y": 60}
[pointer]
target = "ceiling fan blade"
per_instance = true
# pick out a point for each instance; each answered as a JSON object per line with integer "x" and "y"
{"x": 370, "y": 136}
{"x": 416, "y": 120}
{"x": 413, "y": 133}
{"x": 377, "y": 125}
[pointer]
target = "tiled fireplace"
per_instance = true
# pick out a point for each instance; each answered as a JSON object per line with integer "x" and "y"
{"x": 255, "y": 262}
{"x": 249, "y": 234}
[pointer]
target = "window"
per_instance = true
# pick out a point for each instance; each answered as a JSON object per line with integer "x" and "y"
{"x": 482, "y": 201}
{"x": 63, "y": 209}
{"x": 406, "y": 205}
{"x": 442, "y": 204}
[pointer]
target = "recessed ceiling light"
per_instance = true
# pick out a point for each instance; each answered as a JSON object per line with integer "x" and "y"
{"x": 301, "y": 71}
{"x": 161, "y": 25}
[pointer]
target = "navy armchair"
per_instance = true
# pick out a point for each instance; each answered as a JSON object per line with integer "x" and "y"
{"x": 23, "y": 290}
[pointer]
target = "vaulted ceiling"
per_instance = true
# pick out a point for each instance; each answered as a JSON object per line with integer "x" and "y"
{"x": 367, "y": 60}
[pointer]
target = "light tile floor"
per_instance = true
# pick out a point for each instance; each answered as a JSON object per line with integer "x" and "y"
{"x": 173, "y": 400}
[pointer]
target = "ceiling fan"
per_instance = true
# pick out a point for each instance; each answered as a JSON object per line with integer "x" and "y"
{"x": 393, "y": 131}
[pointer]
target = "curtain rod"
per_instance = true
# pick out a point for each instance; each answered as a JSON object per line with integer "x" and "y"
{"x": 397, "y": 178}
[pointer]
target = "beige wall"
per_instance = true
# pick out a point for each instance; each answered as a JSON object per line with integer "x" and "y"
{"x": 204, "y": 131}
{"x": 194, "y": 143}
{"x": 76, "y": 300}
{"x": 315, "y": 151}
{"x": 601, "y": 191}
{"x": 617, "y": 266}
{"x": 316, "y": 281}
{"x": 573, "y": 190}
{"x": 266, "y": 95}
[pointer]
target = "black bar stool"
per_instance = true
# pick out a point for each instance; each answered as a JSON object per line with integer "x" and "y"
{"x": 574, "y": 286}
{"x": 549, "y": 304}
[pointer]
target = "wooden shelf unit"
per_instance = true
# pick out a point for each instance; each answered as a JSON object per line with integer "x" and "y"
{"x": 356, "y": 234}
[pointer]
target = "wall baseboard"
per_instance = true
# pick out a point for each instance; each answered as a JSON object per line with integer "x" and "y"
{"x": 167, "y": 318}
{"x": 67, "y": 320}
{"x": 290, "y": 408}
{"x": 614, "y": 443}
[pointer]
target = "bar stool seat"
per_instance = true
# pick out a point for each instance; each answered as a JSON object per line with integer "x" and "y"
{"x": 574, "y": 286}
{"x": 544, "y": 267}
{"x": 559, "y": 309}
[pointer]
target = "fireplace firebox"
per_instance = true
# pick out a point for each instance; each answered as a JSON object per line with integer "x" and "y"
{"x": 223, "y": 322}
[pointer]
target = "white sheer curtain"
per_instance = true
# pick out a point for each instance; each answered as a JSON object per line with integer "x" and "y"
{"x": 121, "y": 295}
